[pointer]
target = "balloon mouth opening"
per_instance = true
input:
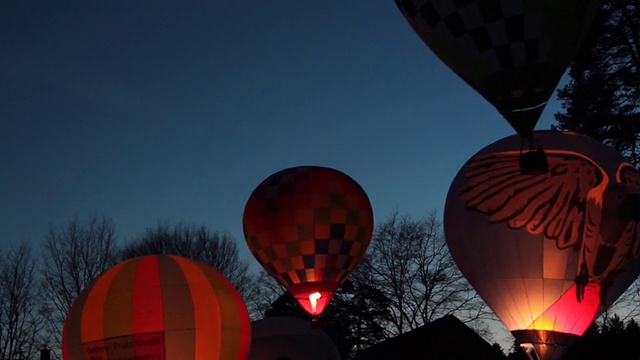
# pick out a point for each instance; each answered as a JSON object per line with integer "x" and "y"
{"x": 530, "y": 351}
{"x": 314, "y": 303}
{"x": 543, "y": 344}
{"x": 313, "y": 300}
{"x": 313, "y": 297}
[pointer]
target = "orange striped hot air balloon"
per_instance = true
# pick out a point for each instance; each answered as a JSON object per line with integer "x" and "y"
{"x": 308, "y": 226}
{"x": 160, "y": 307}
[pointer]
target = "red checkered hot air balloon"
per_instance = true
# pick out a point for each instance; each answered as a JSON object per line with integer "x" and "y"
{"x": 158, "y": 307}
{"x": 308, "y": 226}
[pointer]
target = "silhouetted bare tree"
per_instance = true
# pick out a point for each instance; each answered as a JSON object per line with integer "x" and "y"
{"x": 218, "y": 250}
{"x": 261, "y": 295}
{"x": 21, "y": 311}
{"x": 409, "y": 260}
{"x": 74, "y": 254}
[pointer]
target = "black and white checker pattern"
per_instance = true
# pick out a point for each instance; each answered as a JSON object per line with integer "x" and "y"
{"x": 501, "y": 32}
{"x": 281, "y": 184}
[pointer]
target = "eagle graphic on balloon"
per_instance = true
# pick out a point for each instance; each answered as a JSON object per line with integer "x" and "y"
{"x": 575, "y": 203}
{"x": 550, "y": 251}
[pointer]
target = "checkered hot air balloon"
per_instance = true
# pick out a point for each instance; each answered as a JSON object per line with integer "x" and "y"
{"x": 158, "y": 307}
{"x": 512, "y": 52}
{"x": 308, "y": 226}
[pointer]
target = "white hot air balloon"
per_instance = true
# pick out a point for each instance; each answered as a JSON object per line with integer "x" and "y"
{"x": 548, "y": 252}
{"x": 284, "y": 337}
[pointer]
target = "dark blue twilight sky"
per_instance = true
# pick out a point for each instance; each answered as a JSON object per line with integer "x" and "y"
{"x": 177, "y": 110}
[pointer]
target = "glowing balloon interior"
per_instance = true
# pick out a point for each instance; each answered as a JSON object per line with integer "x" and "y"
{"x": 512, "y": 52}
{"x": 158, "y": 307}
{"x": 308, "y": 226}
{"x": 548, "y": 252}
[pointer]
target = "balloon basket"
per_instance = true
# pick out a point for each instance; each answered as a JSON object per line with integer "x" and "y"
{"x": 533, "y": 162}
{"x": 544, "y": 344}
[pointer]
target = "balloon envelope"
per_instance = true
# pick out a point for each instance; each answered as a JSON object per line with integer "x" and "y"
{"x": 512, "y": 52}
{"x": 158, "y": 307}
{"x": 548, "y": 252}
{"x": 284, "y": 337}
{"x": 308, "y": 226}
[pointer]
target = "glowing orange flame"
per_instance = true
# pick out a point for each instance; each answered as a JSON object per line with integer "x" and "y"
{"x": 313, "y": 298}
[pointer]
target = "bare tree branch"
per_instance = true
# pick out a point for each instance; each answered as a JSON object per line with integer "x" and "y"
{"x": 218, "y": 250}
{"x": 409, "y": 261}
{"x": 21, "y": 311}
{"x": 74, "y": 254}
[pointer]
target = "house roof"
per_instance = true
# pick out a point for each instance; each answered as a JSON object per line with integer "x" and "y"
{"x": 447, "y": 338}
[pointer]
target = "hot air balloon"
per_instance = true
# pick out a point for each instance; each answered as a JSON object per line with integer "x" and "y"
{"x": 158, "y": 307}
{"x": 308, "y": 226}
{"x": 512, "y": 52}
{"x": 548, "y": 252}
{"x": 285, "y": 337}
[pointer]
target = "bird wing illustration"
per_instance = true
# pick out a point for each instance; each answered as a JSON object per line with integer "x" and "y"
{"x": 628, "y": 175}
{"x": 553, "y": 203}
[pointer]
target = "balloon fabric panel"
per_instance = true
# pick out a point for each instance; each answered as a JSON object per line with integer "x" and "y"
{"x": 230, "y": 323}
{"x": 92, "y": 319}
{"x": 513, "y": 52}
{"x": 117, "y": 302}
{"x": 179, "y": 325}
{"x": 91, "y": 324}
{"x": 147, "y": 286}
{"x": 205, "y": 302}
{"x": 308, "y": 224}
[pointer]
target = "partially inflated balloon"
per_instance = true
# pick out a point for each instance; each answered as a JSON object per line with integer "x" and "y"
{"x": 308, "y": 226}
{"x": 547, "y": 252}
{"x": 285, "y": 337}
{"x": 158, "y": 307}
{"x": 513, "y": 52}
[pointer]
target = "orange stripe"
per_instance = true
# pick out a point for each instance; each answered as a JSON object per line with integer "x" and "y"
{"x": 71, "y": 335}
{"x": 207, "y": 312}
{"x": 234, "y": 316}
{"x": 117, "y": 302}
{"x": 91, "y": 328}
{"x": 147, "y": 298}
{"x": 179, "y": 321}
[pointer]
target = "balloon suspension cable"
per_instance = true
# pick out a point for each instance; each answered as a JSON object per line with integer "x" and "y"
{"x": 529, "y": 142}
